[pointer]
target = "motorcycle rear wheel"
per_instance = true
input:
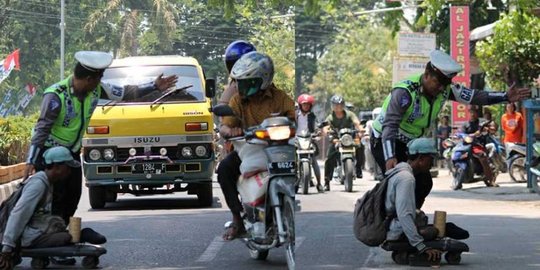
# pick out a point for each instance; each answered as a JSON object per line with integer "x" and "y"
{"x": 348, "y": 169}
{"x": 287, "y": 216}
{"x": 305, "y": 175}
{"x": 516, "y": 169}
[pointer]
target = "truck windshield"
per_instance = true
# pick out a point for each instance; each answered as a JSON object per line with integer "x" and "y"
{"x": 140, "y": 75}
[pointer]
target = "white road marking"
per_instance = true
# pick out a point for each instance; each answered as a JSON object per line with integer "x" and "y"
{"x": 212, "y": 250}
{"x": 299, "y": 240}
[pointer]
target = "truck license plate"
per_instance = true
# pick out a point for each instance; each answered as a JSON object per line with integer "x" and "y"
{"x": 152, "y": 168}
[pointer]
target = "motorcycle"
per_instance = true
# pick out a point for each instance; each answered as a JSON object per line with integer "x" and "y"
{"x": 305, "y": 152}
{"x": 268, "y": 195}
{"x": 448, "y": 145}
{"x": 516, "y": 161}
{"x": 467, "y": 167}
{"x": 346, "y": 147}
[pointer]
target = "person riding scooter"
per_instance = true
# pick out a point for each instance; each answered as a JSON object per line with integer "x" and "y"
{"x": 474, "y": 129}
{"x": 306, "y": 120}
{"x": 257, "y": 99}
{"x": 338, "y": 119}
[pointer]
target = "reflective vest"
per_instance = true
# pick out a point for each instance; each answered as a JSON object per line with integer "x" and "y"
{"x": 416, "y": 121}
{"x": 74, "y": 117}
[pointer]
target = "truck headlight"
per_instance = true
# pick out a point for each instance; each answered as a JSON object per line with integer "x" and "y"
{"x": 94, "y": 154}
{"x": 132, "y": 151}
{"x": 187, "y": 152}
{"x": 163, "y": 151}
{"x": 200, "y": 151}
{"x": 108, "y": 154}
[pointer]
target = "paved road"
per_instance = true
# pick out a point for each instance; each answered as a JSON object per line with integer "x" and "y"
{"x": 171, "y": 232}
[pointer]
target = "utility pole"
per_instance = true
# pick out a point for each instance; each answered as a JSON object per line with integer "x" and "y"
{"x": 62, "y": 38}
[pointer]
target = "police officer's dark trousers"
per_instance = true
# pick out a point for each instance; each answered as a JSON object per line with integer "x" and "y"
{"x": 424, "y": 182}
{"x": 227, "y": 174}
{"x": 66, "y": 193}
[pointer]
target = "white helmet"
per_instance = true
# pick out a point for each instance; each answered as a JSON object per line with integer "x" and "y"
{"x": 254, "y": 65}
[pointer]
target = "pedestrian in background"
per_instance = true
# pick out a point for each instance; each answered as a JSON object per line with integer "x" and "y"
{"x": 443, "y": 133}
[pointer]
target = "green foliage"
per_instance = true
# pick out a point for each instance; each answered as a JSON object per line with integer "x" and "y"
{"x": 15, "y": 138}
{"x": 358, "y": 65}
{"x": 512, "y": 54}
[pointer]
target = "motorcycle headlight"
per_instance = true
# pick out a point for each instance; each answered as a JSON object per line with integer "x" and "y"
{"x": 279, "y": 133}
{"x": 468, "y": 139}
{"x": 108, "y": 154}
{"x": 303, "y": 143}
{"x": 347, "y": 140}
{"x": 94, "y": 154}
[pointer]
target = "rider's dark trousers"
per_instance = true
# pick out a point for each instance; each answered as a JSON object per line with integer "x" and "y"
{"x": 424, "y": 182}
{"x": 67, "y": 192}
{"x": 227, "y": 174}
{"x": 331, "y": 162}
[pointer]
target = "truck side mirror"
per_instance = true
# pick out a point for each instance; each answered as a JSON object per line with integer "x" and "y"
{"x": 210, "y": 89}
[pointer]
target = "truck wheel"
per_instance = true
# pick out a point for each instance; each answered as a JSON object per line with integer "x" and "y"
{"x": 205, "y": 194}
{"x": 97, "y": 197}
{"x": 90, "y": 262}
{"x": 111, "y": 195}
{"x": 453, "y": 257}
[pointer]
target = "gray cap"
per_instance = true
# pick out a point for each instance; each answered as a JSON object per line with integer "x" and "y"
{"x": 60, "y": 154}
{"x": 422, "y": 146}
{"x": 444, "y": 63}
{"x": 93, "y": 60}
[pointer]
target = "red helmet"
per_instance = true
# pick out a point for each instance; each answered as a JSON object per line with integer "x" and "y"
{"x": 305, "y": 98}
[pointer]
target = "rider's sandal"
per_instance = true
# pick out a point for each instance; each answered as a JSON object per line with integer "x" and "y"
{"x": 233, "y": 232}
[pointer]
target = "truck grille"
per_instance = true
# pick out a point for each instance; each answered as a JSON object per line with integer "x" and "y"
{"x": 123, "y": 153}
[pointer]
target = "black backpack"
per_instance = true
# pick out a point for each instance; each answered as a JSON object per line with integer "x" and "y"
{"x": 371, "y": 221}
{"x": 7, "y": 206}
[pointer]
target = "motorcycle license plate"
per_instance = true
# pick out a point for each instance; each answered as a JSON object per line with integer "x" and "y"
{"x": 282, "y": 167}
{"x": 152, "y": 168}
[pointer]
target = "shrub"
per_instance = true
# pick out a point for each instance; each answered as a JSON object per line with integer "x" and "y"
{"x": 15, "y": 135}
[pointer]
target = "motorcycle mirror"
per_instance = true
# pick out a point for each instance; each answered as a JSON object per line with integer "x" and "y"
{"x": 223, "y": 110}
{"x": 228, "y": 224}
{"x": 323, "y": 124}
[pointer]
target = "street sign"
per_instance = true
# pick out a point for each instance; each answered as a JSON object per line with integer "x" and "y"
{"x": 416, "y": 44}
{"x": 404, "y": 67}
{"x": 459, "y": 44}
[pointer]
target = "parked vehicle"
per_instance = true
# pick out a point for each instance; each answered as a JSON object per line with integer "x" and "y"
{"x": 517, "y": 158}
{"x": 268, "y": 197}
{"x": 305, "y": 152}
{"x": 156, "y": 144}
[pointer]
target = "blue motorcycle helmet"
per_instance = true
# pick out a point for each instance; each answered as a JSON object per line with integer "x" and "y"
{"x": 235, "y": 50}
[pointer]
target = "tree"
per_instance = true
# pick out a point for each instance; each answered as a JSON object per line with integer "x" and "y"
{"x": 157, "y": 16}
{"x": 358, "y": 65}
{"x": 512, "y": 54}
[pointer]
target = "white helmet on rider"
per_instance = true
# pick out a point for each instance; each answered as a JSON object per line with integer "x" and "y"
{"x": 253, "y": 72}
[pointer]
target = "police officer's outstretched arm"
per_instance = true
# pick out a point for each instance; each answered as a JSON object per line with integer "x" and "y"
{"x": 50, "y": 109}
{"x": 130, "y": 92}
{"x": 465, "y": 95}
{"x": 400, "y": 100}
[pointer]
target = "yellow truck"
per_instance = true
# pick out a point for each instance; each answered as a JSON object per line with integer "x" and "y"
{"x": 159, "y": 143}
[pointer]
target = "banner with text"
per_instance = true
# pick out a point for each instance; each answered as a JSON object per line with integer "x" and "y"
{"x": 459, "y": 46}
{"x": 7, "y": 65}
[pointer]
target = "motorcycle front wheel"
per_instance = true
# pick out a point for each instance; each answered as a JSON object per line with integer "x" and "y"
{"x": 259, "y": 255}
{"x": 305, "y": 177}
{"x": 348, "y": 169}
{"x": 289, "y": 227}
{"x": 516, "y": 169}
